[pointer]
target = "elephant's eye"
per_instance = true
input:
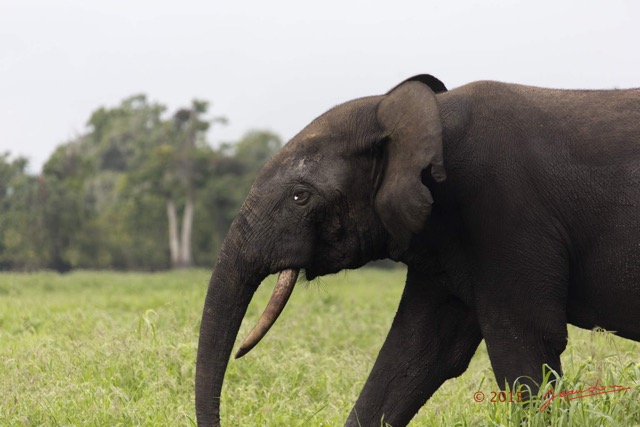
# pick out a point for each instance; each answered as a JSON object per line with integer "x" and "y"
{"x": 301, "y": 197}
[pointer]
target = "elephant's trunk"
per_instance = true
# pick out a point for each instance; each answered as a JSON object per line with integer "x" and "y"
{"x": 231, "y": 287}
{"x": 233, "y": 283}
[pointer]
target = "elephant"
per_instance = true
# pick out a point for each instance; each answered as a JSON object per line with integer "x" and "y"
{"x": 516, "y": 210}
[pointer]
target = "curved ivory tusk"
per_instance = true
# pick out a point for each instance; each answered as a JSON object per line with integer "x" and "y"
{"x": 281, "y": 293}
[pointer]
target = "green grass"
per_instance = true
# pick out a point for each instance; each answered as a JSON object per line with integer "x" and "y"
{"x": 118, "y": 349}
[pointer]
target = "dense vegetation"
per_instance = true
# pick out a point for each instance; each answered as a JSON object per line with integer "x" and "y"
{"x": 138, "y": 190}
{"x": 118, "y": 349}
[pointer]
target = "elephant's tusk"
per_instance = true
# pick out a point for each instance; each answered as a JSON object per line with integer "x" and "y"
{"x": 281, "y": 293}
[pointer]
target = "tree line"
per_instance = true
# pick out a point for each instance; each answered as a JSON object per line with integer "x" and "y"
{"x": 139, "y": 189}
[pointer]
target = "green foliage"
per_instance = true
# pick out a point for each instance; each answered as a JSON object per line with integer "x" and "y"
{"x": 102, "y": 198}
{"x": 22, "y": 241}
{"x": 255, "y": 148}
{"x": 236, "y": 167}
{"x": 107, "y": 349}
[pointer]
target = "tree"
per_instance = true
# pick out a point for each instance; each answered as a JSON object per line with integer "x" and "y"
{"x": 187, "y": 139}
{"x": 137, "y": 190}
{"x": 176, "y": 169}
{"x": 235, "y": 168}
{"x": 256, "y": 148}
{"x": 89, "y": 217}
{"x": 22, "y": 242}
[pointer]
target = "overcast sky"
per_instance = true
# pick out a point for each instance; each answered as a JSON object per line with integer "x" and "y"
{"x": 279, "y": 64}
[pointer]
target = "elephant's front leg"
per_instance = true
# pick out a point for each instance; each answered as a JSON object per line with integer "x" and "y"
{"x": 524, "y": 326}
{"x": 432, "y": 338}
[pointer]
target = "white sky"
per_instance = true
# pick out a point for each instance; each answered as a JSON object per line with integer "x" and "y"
{"x": 278, "y": 64}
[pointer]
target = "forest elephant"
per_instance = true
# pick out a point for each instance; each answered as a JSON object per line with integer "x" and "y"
{"x": 516, "y": 210}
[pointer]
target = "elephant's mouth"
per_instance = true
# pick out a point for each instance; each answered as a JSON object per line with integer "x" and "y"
{"x": 310, "y": 274}
{"x": 281, "y": 293}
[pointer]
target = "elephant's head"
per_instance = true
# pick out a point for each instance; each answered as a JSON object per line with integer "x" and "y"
{"x": 344, "y": 191}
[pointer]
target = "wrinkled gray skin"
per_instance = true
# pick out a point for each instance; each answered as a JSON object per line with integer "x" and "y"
{"x": 516, "y": 210}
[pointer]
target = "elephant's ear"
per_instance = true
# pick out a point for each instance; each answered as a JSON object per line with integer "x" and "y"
{"x": 410, "y": 119}
{"x": 434, "y": 83}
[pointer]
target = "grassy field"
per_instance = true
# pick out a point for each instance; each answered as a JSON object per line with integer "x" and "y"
{"x": 115, "y": 349}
